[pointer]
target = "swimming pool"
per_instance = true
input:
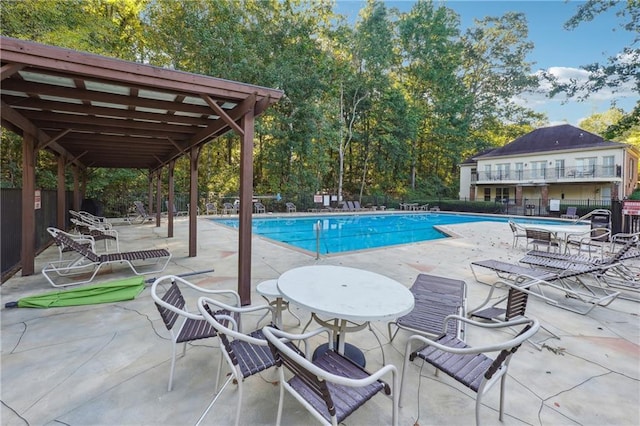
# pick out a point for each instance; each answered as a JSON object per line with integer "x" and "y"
{"x": 343, "y": 233}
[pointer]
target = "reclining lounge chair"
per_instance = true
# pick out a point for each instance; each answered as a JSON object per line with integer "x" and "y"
{"x": 91, "y": 262}
{"x": 570, "y": 291}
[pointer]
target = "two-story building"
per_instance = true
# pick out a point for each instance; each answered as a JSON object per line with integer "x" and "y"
{"x": 556, "y": 162}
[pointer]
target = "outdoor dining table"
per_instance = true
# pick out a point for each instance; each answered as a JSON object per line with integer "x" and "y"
{"x": 351, "y": 298}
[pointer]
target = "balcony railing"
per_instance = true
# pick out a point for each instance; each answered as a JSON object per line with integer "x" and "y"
{"x": 549, "y": 175}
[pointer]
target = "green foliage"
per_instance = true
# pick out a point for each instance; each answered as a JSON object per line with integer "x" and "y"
{"x": 388, "y": 106}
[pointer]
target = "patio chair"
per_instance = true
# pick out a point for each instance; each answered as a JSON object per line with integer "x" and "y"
{"x": 183, "y": 324}
{"x": 540, "y": 237}
{"x": 612, "y": 271}
{"x": 516, "y": 307}
{"x": 571, "y": 213}
{"x": 435, "y": 298}
{"x": 291, "y": 208}
{"x": 517, "y": 231}
{"x": 331, "y": 387}
{"x": 176, "y": 212}
{"x": 84, "y": 240}
{"x": 141, "y": 213}
{"x": 229, "y": 208}
{"x": 97, "y": 233}
{"x": 594, "y": 240}
{"x": 91, "y": 263}
{"x": 246, "y": 354}
{"x": 211, "y": 208}
{"x": 564, "y": 289}
{"x": 259, "y": 208}
{"x": 471, "y": 366}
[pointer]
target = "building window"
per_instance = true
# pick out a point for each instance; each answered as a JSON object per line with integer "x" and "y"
{"x": 586, "y": 166}
{"x": 487, "y": 194}
{"x": 538, "y": 169}
{"x": 503, "y": 171}
{"x": 502, "y": 195}
{"x": 487, "y": 171}
{"x": 559, "y": 168}
{"x": 608, "y": 165}
{"x": 519, "y": 171}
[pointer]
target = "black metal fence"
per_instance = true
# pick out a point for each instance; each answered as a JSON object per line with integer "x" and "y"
{"x": 11, "y": 213}
{"x": 11, "y": 226}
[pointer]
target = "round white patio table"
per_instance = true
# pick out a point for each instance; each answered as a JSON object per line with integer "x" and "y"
{"x": 347, "y": 295}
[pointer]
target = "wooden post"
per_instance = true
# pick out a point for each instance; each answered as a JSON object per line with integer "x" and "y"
{"x": 158, "y": 196}
{"x": 246, "y": 209}
{"x": 61, "y": 201}
{"x": 150, "y": 195}
{"x": 172, "y": 165}
{"x": 194, "y": 154}
{"x": 27, "y": 254}
{"x": 76, "y": 188}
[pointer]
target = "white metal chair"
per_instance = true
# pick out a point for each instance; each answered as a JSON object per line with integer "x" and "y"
{"x": 470, "y": 366}
{"x": 184, "y": 325}
{"x": 246, "y": 353}
{"x": 331, "y": 387}
{"x": 517, "y": 231}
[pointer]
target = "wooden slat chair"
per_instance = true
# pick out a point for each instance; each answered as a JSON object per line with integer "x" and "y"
{"x": 93, "y": 262}
{"x": 516, "y": 307}
{"x": 246, "y": 354}
{"x": 331, "y": 387}
{"x": 539, "y": 237}
{"x": 185, "y": 326}
{"x": 470, "y": 366}
{"x": 435, "y": 298}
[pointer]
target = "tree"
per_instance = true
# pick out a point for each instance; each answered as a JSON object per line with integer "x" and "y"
{"x": 622, "y": 69}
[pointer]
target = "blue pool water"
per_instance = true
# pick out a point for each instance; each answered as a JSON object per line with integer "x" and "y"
{"x": 344, "y": 233}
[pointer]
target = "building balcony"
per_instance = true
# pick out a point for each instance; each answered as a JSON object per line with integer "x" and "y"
{"x": 546, "y": 176}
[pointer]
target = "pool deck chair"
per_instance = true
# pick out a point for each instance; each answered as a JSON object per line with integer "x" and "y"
{"x": 563, "y": 289}
{"x": 476, "y": 367}
{"x": 435, "y": 298}
{"x": 141, "y": 214}
{"x": 156, "y": 260}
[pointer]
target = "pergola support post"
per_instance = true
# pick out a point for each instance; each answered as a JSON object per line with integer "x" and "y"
{"x": 61, "y": 200}
{"x": 171, "y": 202}
{"x": 246, "y": 208}
{"x": 76, "y": 188}
{"x": 158, "y": 196}
{"x": 28, "y": 204}
{"x": 194, "y": 154}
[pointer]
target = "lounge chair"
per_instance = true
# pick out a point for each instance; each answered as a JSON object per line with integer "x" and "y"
{"x": 141, "y": 214}
{"x": 91, "y": 263}
{"x": 258, "y": 207}
{"x": 350, "y": 206}
{"x": 331, "y": 387}
{"x": 610, "y": 271}
{"x": 356, "y": 206}
{"x": 176, "y": 212}
{"x": 97, "y": 233}
{"x": 564, "y": 289}
{"x": 470, "y": 366}
{"x": 435, "y": 298}
{"x": 571, "y": 213}
{"x": 291, "y": 208}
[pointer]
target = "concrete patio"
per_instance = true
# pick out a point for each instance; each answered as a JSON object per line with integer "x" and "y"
{"x": 109, "y": 364}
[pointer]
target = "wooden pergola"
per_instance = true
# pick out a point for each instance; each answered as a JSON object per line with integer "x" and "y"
{"x": 95, "y": 111}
